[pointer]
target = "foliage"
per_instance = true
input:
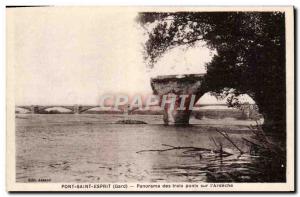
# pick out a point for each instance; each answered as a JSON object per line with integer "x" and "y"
{"x": 250, "y": 55}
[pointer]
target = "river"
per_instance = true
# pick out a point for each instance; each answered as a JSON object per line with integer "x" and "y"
{"x": 92, "y": 148}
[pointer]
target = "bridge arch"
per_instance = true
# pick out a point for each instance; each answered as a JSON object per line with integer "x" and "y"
{"x": 22, "y": 110}
{"x": 56, "y": 109}
{"x": 83, "y": 109}
{"x": 247, "y": 108}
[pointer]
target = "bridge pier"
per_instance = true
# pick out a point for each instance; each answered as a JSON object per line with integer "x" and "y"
{"x": 175, "y": 86}
{"x": 174, "y": 114}
{"x": 34, "y": 109}
{"x": 76, "y": 109}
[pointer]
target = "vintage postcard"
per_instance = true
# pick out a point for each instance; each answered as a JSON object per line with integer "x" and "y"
{"x": 162, "y": 99}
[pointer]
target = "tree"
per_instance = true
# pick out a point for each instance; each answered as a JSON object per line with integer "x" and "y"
{"x": 250, "y": 55}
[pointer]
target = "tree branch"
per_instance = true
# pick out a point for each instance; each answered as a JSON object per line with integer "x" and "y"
{"x": 189, "y": 148}
{"x": 226, "y": 136}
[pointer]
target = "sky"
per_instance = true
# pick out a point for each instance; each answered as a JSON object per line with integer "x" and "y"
{"x": 73, "y": 55}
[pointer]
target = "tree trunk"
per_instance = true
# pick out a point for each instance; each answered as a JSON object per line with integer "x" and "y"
{"x": 274, "y": 115}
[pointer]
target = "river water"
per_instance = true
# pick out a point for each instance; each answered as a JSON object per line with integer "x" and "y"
{"x": 92, "y": 148}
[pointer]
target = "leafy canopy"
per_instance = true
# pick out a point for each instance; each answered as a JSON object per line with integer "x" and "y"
{"x": 250, "y": 50}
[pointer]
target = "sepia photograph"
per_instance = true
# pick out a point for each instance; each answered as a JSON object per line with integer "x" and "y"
{"x": 150, "y": 98}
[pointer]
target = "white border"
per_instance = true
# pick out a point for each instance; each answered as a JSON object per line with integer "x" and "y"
{"x": 88, "y": 2}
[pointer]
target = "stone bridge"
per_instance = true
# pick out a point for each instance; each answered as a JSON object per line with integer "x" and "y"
{"x": 162, "y": 85}
{"x": 175, "y": 85}
{"x": 36, "y": 109}
{"x": 178, "y": 85}
{"x": 74, "y": 109}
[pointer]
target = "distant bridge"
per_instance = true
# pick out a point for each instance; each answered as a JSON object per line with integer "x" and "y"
{"x": 78, "y": 109}
{"x": 74, "y": 109}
